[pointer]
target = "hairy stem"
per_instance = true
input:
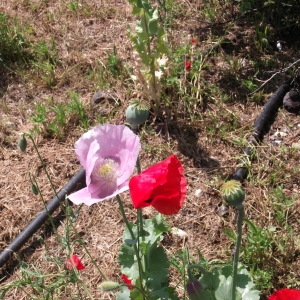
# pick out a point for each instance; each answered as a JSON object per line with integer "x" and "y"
{"x": 241, "y": 214}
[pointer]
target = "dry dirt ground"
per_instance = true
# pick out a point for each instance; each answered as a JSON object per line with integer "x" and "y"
{"x": 83, "y": 43}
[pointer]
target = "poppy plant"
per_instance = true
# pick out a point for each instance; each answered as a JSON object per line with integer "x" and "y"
{"x": 109, "y": 154}
{"x": 74, "y": 262}
{"x": 162, "y": 186}
{"x": 285, "y": 294}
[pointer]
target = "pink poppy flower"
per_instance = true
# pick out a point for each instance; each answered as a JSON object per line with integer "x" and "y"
{"x": 74, "y": 262}
{"x": 127, "y": 281}
{"x": 162, "y": 186}
{"x": 285, "y": 294}
{"x": 109, "y": 154}
{"x": 187, "y": 65}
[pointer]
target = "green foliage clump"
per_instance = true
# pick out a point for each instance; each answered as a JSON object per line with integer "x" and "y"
{"x": 13, "y": 45}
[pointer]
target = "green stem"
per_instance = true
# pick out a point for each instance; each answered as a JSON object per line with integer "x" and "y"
{"x": 135, "y": 247}
{"x": 241, "y": 214}
{"x": 43, "y": 165}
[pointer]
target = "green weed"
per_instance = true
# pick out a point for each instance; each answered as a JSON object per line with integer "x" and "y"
{"x": 54, "y": 119}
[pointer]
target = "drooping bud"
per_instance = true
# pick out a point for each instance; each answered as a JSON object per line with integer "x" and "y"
{"x": 233, "y": 193}
{"x": 194, "y": 289}
{"x": 22, "y": 143}
{"x": 137, "y": 114}
{"x": 107, "y": 286}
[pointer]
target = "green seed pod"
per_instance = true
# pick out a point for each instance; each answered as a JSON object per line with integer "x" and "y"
{"x": 136, "y": 115}
{"x": 233, "y": 193}
{"x": 107, "y": 286}
{"x": 22, "y": 143}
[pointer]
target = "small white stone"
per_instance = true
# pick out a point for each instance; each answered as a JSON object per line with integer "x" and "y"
{"x": 198, "y": 193}
{"x": 179, "y": 232}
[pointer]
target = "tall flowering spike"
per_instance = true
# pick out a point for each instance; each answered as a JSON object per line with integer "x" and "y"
{"x": 74, "y": 262}
{"x": 109, "y": 154}
{"x": 233, "y": 193}
{"x": 162, "y": 186}
{"x": 285, "y": 294}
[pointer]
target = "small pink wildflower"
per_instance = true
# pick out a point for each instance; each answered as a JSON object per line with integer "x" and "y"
{"x": 74, "y": 261}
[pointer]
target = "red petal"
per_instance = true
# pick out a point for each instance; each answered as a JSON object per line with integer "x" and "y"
{"x": 127, "y": 281}
{"x": 74, "y": 261}
{"x": 168, "y": 198}
{"x": 163, "y": 186}
{"x": 142, "y": 185}
{"x": 285, "y": 294}
{"x": 187, "y": 65}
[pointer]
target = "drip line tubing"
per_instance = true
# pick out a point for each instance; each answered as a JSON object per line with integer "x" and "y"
{"x": 76, "y": 182}
{"x": 262, "y": 126}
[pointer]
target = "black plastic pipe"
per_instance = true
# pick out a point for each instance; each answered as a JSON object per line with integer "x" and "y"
{"x": 77, "y": 182}
{"x": 262, "y": 126}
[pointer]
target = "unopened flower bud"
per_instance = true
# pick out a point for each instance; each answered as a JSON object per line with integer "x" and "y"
{"x": 107, "y": 286}
{"x": 22, "y": 143}
{"x": 233, "y": 193}
{"x": 194, "y": 289}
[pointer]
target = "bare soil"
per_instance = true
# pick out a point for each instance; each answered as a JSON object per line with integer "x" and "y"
{"x": 82, "y": 42}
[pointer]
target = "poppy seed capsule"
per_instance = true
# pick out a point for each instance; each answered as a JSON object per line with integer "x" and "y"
{"x": 233, "y": 193}
{"x": 136, "y": 115}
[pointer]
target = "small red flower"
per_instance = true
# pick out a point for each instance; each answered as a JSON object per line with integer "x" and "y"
{"x": 74, "y": 261}
{"x": 187, "y": 65}
{"x": 162, "y": 186}
{"x": 127, "y": 281}
{"x": 193, "y": 41}
{"x": 285, "y": 294}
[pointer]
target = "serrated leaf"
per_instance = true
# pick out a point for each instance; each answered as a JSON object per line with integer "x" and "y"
{"x": 158, "y": 267}
{"x": 153, "y": 23}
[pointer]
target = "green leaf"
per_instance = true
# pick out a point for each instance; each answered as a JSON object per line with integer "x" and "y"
{"x": 153, "y": 23}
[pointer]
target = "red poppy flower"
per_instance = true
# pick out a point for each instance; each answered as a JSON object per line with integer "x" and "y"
{"x": 127, "y": 281}
{"x": 187, "y": 65}
{"x": 193, "y": 41}
{"x": 162, "y": 186}
{"x": 74, "y": 261}
{"x": 285, "y": 294}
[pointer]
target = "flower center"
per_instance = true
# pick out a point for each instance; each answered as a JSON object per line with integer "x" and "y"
{"x": 108, "y": 170}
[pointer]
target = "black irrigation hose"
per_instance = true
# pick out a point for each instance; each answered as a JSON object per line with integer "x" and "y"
{"x": 262, "y": 126}
{"x": 77, "y": 181}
